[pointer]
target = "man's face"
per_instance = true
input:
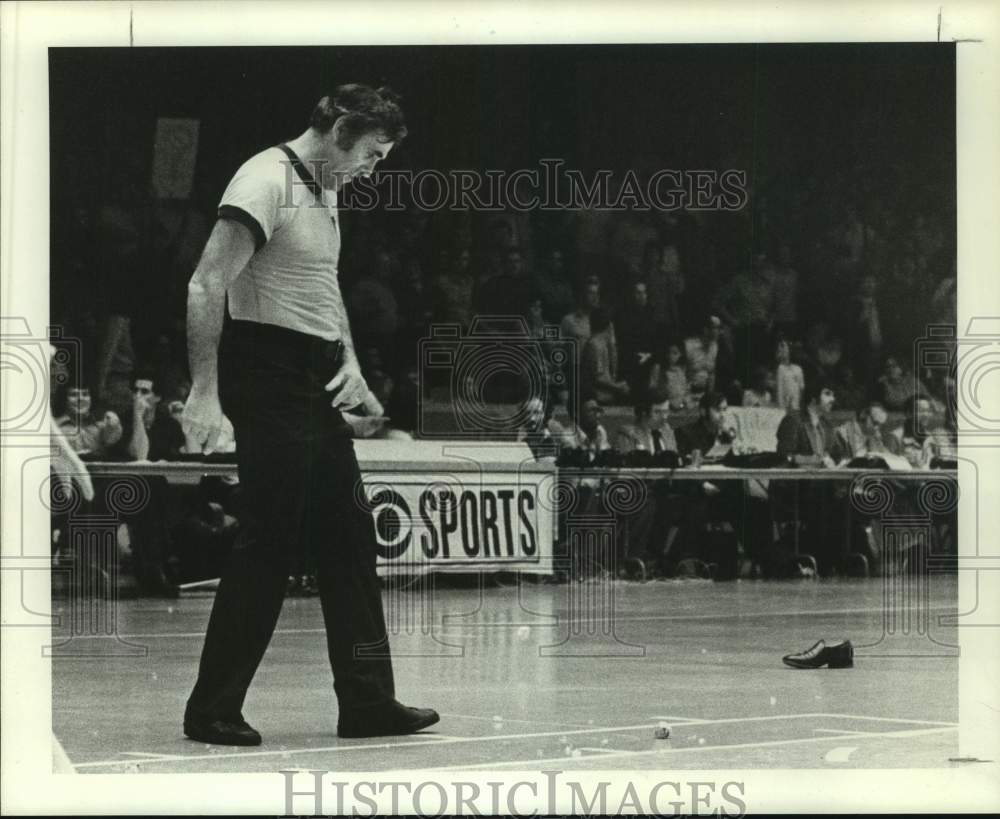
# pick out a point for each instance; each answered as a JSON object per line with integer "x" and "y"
{"x": 712, "y": 330}
{"x": 925, "y": 413}
{"x": 536, "y": 412}
{"x": 826, "y": 401}
{"x": 592, "y": 297}
{"x": 78, "y": 401}
{"x": 515, "y": 264}
{"x": 359, "y": 160}
{"x": 658, "y": 414}
{"x": 640, "y": 295}
{"x": 144, "y": 389}
{"x": 717, "y": 414}
{"x": 590, "y": 415}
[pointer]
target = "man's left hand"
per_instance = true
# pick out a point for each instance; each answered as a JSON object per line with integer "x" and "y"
{"x": 349, "y": 386}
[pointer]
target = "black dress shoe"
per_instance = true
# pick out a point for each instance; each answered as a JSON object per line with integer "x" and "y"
{"x": 220, "y": 731}
{"x": 839, "y": 655}
{"x": 391, "y": 719}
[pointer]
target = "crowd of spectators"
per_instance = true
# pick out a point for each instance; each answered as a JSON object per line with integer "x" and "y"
{"x": 667, "y": 310}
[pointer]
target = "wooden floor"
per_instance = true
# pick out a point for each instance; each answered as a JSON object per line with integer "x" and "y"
{"x": 580, "y": 675}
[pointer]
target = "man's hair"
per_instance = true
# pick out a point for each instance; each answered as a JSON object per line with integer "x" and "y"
{"x": 363, "y": 110}
{"x": 710, "y": 400}
{"x": 812, "y": 390}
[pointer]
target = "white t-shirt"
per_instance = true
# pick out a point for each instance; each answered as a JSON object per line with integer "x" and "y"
{"x": 291, "y": 280}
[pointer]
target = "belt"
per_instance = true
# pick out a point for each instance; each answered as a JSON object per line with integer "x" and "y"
{"x": 306, "y": 347}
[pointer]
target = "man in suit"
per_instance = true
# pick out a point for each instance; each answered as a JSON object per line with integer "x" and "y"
{"x": 809, "y": 439}
{"x": 648, "y": 534}
{"x": 651, "y": 431}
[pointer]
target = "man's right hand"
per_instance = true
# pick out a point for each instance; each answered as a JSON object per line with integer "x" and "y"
{"x": 202, "y": 421}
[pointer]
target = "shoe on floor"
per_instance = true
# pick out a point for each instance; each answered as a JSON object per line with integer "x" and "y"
{"x": 220, "y": 731}
{"x": 391, "y": 719}
{"x": 838, "y": 655}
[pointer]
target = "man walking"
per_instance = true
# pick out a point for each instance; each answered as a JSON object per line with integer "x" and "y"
{"x": 284, "y": 370}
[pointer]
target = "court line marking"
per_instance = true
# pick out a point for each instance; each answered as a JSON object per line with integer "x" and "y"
{"x": 497, "y": 737}
{"x": 843, "y": 733}
{"x": 484, "y": 626}
{"x": 841, "y": 754}
{"x": 598, "y": 750}
{"x": 664, "y": 751}
{"x": 890, "y": 719}
{"x": 396, "y": 745}
{"x": 518, "y": 719}
{"x": 150, "y": 755}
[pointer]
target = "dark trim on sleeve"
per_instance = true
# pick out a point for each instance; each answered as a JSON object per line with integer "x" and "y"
{"x": 245, "y": 219}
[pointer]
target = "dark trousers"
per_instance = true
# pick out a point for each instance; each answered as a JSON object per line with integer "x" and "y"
{"x": 301, "y": 489}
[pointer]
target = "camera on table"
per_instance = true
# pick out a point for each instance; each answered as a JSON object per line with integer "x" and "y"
{"x": 492, "y": 373}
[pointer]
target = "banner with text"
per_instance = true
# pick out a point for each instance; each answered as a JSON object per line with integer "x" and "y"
{"x": 462, "y": 523}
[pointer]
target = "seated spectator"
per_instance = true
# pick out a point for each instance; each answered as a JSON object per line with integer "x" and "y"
{"x": 789, "y": 380}
{"x": 898, "y": 389}
{"x": 540, "y": 431}
{"x": 156, "y": 436}
{"x": 599, "y": 362}
{"x": 922, "y": 438}
{"x": 714, "y": 512}
{"x": 711, "y": 436}
{"x": 668, "y": 380}
{"x": 651, "y": 431}
{"x": 760, "y": 393}
{"x": 701, "y": 353}
{"x": 809, "y": 439}
{"x": 807, "y": 436}
{"x": 865, "y": 434}
{"x": 648, "y": 533}
{"x": 167, "y": 371}
{"x": 638, "y": 335}
{"x": 587, "y": 434}
{"x": 86, "y": 434}
{"x": 576, "y": 325}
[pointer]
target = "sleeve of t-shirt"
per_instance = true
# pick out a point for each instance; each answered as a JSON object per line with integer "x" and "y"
{"x": 253, "y": 199}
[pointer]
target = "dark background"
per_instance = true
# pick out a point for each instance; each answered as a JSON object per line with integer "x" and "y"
{"x": 771, "y": 109}
{"x": 821, "y": 130}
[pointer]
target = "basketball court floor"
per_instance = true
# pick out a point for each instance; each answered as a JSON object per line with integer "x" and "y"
{"x": 576, "y": 676}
